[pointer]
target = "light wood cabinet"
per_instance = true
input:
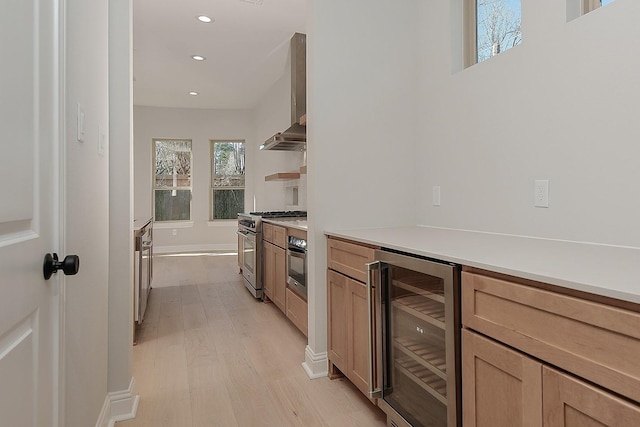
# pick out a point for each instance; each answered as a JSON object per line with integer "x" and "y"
{"x": 268, "y": 270}
{"x": 297, "y": 311}
{"x": 349, "y": 258}
{"x": 500, "y": 386}
{"x": 275, "y": 275}
{"x": 348, "y": 320}
{"x": 280, "y": 278}
{"x": 592, "y": 340}
{"x": 337, "y": 321}
{"x": 275, "y": 264}
{"x": 519, "y": 385}
{"x": 348, "y": 329}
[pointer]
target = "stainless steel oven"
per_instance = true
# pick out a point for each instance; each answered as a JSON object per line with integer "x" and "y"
{"x": 297, "y": 265}
{"x": 250, "y": 244}
{"x": 414, "y": 339}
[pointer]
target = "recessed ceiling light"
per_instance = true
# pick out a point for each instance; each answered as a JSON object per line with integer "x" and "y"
{"x": 192, "y": 93}
{"x": 204, "y": 18}
{"x": 198, "y": 57}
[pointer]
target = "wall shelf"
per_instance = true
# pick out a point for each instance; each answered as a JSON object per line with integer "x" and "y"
{"x": 282, "y": 176}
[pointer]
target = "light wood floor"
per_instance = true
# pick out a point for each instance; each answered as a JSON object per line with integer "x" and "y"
{"x": 209, "y": 354}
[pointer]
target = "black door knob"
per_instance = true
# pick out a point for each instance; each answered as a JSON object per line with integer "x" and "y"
{"x": 70, "y": 265}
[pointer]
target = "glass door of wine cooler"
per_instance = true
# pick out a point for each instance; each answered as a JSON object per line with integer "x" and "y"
{"x": 420, "y": 334}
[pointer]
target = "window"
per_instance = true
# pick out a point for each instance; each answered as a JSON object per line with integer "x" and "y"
{"x": 576, "y": 8}
{"x": 494, "y": 27}
{"x": 172, "y": 180}
{"x": 589, "y": 5}
{"x": 227, "y": 179}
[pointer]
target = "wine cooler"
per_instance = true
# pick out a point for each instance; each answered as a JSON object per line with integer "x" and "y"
{"x": 414, "y": 341}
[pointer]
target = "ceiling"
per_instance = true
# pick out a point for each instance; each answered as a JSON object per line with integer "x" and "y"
{"x": 245, "y": 47}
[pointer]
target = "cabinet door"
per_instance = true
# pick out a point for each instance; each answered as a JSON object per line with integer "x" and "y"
{"x": 569, "y": 402}
{"x": 358, "y": 335}
{"x": 500, "y": 387}
{"x": 280, "y": 277}
{"x": 337, "y": 328}
{"x": 268, "y": 272}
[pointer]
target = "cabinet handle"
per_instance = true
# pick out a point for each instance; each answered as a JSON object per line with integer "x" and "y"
{"x": 374, "y": 392}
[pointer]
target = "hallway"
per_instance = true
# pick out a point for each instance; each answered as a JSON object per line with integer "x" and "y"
{"x": 209, "y": 354}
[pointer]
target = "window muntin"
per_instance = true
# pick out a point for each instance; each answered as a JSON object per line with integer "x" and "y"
{"x": 496, "y": 27}
{"x": 172, "y": 183}
{"x": 227, "y": 179}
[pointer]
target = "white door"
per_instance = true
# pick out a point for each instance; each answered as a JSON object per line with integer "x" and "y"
{"x": 29, "y": 220}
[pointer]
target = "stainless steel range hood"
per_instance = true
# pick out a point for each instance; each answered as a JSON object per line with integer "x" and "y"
{"x": 295, "y": 137}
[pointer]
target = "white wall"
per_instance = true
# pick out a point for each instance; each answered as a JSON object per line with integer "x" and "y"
{"x": 273, "y": 114}
{"x": 120, "y": 195}
{"x": 362, "y": 106}
{"x": 87, "y": 212}
{"x": 562, "y": 106}
{"x": 200, "y": 126}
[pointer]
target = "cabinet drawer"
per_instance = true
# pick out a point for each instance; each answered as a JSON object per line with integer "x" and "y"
{"x": 274, "y": 234}
{"x": 594, "y": 341}
{"x": 300, "y": 234}
{"x": 349, "y": 258}
{"x": 297, "y": 311}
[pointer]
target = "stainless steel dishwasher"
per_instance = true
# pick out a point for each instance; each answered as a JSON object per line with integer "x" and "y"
{"x": 143, "y": 269}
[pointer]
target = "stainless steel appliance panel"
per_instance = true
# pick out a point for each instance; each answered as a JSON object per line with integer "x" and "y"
{"x": 419, "y": 330}
{"x": 143, "y": 270}
{"x": 251, "y": 261}
{"x": 297, "y": 265}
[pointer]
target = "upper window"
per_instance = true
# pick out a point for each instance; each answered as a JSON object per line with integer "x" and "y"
{"x": 227, "y": 179}
{"x": 172, "y": 180}
{"x": 576, "y": 8}
{"x": 495, "y": 27}
{"x": 589, "y": 5}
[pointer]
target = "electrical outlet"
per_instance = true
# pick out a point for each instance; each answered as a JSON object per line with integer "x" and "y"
{"x": 541, "y": 193}
{"x": 174, "y": 232}
{"x": 436, "y": 195}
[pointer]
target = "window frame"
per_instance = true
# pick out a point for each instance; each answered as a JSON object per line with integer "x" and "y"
{"x": 590, "y": 5}
{"x": 153, "y": 181}
{"x": 212, "y": 188}
{"x": 470, "y": 33}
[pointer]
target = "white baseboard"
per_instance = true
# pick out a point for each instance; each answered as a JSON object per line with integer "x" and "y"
{"x": 316, "y": 365}
{"x": 119, "y": 406}
{"x": 194, "y": 248}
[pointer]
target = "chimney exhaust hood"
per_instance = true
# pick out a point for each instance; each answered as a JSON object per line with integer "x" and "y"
{"x": 295, "y": 137}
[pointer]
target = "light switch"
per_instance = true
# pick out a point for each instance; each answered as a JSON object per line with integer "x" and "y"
{"x": 102, "y": 141}
{"x": 436, "y": 195}
{"x": 80, "y": 124}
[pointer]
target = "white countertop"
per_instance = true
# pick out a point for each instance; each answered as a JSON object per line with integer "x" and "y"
{"x": 611, "y": 271}
{"x": 300, "y": 224}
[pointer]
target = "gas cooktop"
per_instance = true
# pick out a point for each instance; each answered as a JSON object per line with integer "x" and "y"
{"x": 280, "y": 214}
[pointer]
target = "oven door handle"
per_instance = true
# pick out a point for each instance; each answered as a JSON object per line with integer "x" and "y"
{"x": 374, "y": 391}
{"x": 296, "y": 252}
